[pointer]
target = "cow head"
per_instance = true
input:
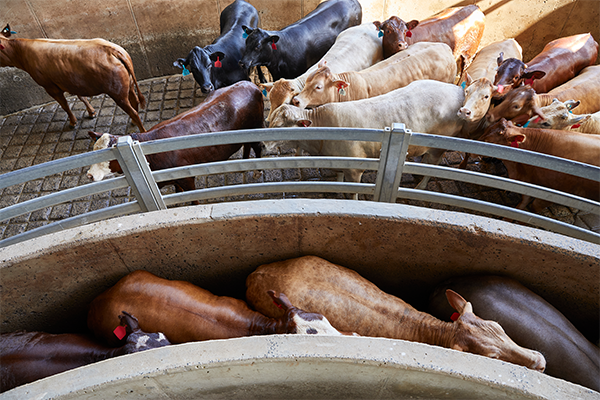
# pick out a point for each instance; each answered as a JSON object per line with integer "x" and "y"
{"x": 279, "y": 92}
{"x": 487, "y": 338}
{"x": 104, "y": 169}
{"x": 502, "y": 133}
{"x": 558, "y": 116}
{"x": 321, "y": 87}
{"x": 138, "y": 340}
{"x": 297, "y": 321}
{"x": 202, "y": 64}
{"x": 395, "y": 31}
{"x": 478, "y": 97}
{"x": 520, "y": 102}
{"x": 259, "y": 50}
{"x": 512, "y": 73}
{"x": 287, "y": 116}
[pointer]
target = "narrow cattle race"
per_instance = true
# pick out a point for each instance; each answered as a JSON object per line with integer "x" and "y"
{"x": 41, "y": 134}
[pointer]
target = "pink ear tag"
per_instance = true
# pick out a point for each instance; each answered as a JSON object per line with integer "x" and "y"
{"x": 514, "y": 143}
{"x": 1, "y": 47}
{"x": 538, "y": 119}
{"x": 500, "y": 88}
{"x": 273, "y": 46}
{"x": 454, "y": 316}
{"x": 218, "y": 63}
{"x": 408, "y": 33}
{"x": 120, "y": 332}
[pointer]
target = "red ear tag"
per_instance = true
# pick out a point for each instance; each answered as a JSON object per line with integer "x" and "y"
{"x": 1, "y": 47}
{"x": 120, "y": 332}
{"x": 529, "y": 81}
{"x": 454, "y": 316}
{"x": 514, "y": 143}
{"x": 218, "y": 63}
{"x": 575, "y": 126}
{"x": 304, "y": 124}
{"x": 408, "y": 33}
{"x": 273, "y": 46}
{"x": 538, "y": 119}
{"x": 278, "y": 305}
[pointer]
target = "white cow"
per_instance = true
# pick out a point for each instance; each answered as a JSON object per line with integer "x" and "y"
{"x": 424, "y": 106}
{"x": 422, "y": 60}
{"x": 355, "y": 48}
{"x": 559, "y": 116}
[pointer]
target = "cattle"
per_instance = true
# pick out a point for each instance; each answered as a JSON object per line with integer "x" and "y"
{"x": 29, "y": 356}
{"x": 559, "y": 61}
{"x": 356, "y": 48}
{"x": 80, "y": 67}
{"x": 571, "y": 145}
{"x": 424, "y": 106}
{"x": 185, "y": 312}
{"x": 518, "y": 105}
{"x": 420, "y": 61}
{"x": 239, "y": 106}
{"x": 585, "y": 88}
{"x": 354, "y": 304}
{"x": 461, "y": 28}
{"x": 291, "y": 51}
{"x": 216, "y": 65}
{"x": 530, "y": 321}
{"x": 591, "y": 125}
{"x": 485, "y": 63}
{"x": 558, "y": 116}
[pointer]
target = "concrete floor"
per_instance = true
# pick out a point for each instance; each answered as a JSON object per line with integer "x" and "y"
{"x": 42, "y": 133}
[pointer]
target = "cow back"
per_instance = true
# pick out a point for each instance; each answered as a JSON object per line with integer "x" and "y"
{"x": 585, "y": 87}
{"x": 485, "y": 63}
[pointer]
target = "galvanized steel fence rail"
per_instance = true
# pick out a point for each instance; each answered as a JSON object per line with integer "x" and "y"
{"x": 390, "y": 167}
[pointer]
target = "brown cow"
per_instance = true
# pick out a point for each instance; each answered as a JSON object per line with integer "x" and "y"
{"x": 530, "y": 321}
{"x": 187, "y": 313}
{"x": 80, "y": 67}
{"x": 518, "y": 105}
{"x": 566, "y": 144}
{"x": 29, "y": 356}
{"x": 559, "y": 61}
{"x": 239, "y": 106}
{"x": 461, "y": 28}
{"x": 352, "y": 303}
{"x": 584, "y": 88}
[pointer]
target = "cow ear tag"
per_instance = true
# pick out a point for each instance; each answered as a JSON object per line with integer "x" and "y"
{"x": 120, "y": 332}
{"x": 264, "y": 92}
{"x": 529, "y": 81}
{"x": 341, "y": 91}
{"x": 185, "y": 71}
{"x": 454, "y": 316}
{"x": 463, "y": 85}
{"x": 273, "y": 46}
{"x": 244, "y": 35}
{"x": 575, "y": 126}
{"x": 380, "y": 34}
{"x": 218, "y": 63}
{"x": 408, "y": 33}
{"x": 277, "y": 304}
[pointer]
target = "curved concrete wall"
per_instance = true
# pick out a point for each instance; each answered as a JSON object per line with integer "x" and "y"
{"x": 157, "y": 32}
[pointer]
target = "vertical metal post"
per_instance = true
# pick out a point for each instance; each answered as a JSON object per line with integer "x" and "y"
{"x": 137, "y": 172}
{"x": 391, "y": 163}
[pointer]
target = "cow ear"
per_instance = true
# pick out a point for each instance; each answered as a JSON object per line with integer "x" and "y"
{"x": 266, "y": 86}
{"x": 280, "y": 300}
{"x": 458, "y": 302}
{"x": 179, "y": 63}
{"x": 274, "y": 39}
{"x": 340, "y": 84}
{"x": 6, "y": 31}
{"x": 130, "y": 321}
{"x": 217, "y": 55}
{"x": 247, "y": 30}
{"x": 412, "y": 24}
{"x": 500, "y": 58}
{"x": 304, "y": 123}
{"x": 571, "y": 104}
{"x": 518, "y": 137}
{"x": 95, "y": 135}
{"x": 322, "y": 63}
{"x": 377, "y": 25}
{"x": 533, "y": 74}
{"x": 469, "y": 79}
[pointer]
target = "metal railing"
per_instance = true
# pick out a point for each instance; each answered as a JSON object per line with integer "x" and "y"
{"x": 390, "y": 167}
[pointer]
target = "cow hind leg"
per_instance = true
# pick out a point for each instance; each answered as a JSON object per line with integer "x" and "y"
{"x": 186, "y": 185}
{"x": 124, "y": 103}
{"x": 88, "y": 106}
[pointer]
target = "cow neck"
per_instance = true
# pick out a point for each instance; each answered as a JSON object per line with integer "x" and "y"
{"x": 15, "y": 53}
{"x": 422, "y": 327}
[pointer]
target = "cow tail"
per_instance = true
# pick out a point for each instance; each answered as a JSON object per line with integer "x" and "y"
{"x": 122, "y": 56}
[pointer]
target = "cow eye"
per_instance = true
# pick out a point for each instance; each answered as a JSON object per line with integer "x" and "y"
{"x": 318, "y": 87}
{"x": 564, "y": 116}
{"x": 546, "y": 124}
{"x": 487, "y": 96}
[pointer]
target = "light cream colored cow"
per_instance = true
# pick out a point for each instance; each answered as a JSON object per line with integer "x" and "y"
{"x": 559, "y": 116}
{"x": 356, "y": 48}
{"x": 487, "y": 59}
{"x": 585, "y": 87}
{"x": 422, "y": 60}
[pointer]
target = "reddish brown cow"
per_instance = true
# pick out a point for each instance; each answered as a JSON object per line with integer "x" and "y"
{"x": 518, "y": 105}
{"x": 80, "y": 67}
{"x": 566, "y": 144}
{"x": 559, "y": 61}
{"x": 461, "y": 28}
{"x": 239, "y": 106}
{"x": 29, "y": 356}
{"x": 531, "y": 321}
{"x": 187, "y": 313}
{"x": 354, "y": 304}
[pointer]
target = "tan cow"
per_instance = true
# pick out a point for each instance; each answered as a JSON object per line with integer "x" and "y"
{"x": 558, "y": 116}
{"x": 571, "y": 145}
{"x": 351, "y": 303}
{"x": 420, "y": 61}
{"x": 356, "y": 48}
{"x": 585, "y": 88}
{"x": 80, "y": 67}
{"x": 424, "y": 106}
{"x": 486, "y": 60}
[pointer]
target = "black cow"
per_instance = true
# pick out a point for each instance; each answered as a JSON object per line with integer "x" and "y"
{"x": 289, "y": 52}
{"x": 216, "y": 65}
